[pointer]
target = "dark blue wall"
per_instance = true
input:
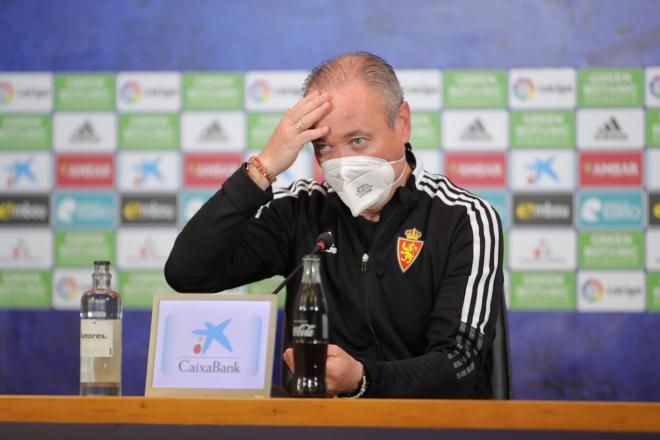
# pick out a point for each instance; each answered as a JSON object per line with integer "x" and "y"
{"x": 555, "y": 355}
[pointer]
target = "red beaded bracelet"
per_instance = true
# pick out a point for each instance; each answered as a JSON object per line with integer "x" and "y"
{"x": 254, "y": 160}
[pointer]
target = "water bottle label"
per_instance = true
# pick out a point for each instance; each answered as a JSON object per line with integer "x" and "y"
{"x": 96, "y": 337}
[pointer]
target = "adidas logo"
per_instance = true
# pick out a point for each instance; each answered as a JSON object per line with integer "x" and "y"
{"x": 85, "y": 134}
{"x": 610, "y": 130}
{"x": 475, "y": 132}
{"x": 213, "y": 133}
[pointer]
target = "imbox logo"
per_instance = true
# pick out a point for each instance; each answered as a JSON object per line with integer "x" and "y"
{"x": 486, "y": 169}
{"x": 209, "y": 170}
{"x": 611, "y": 169}
{"x": 77, "y": 171}
{"x": 24, "y": 210}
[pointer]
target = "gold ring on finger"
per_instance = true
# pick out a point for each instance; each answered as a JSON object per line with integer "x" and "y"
{"x": 299, "y": 126}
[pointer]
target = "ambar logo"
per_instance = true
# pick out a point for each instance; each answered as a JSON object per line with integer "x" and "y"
{"x": 610, "y": 169}
{"x": 148, "y": 210}
{"x": 26, "y": 210}
{"x": 543, "y": 209}
{"x": 477, "y": 169}
{"x": 85, "y": 170}
{"x": 209, "y": 170}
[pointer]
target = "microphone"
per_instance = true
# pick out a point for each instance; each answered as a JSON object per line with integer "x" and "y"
{"x": 324, "y": 242}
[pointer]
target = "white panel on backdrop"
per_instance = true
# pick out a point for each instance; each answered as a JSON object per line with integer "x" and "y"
{"x": 542, "y": 88}
{"x": 613, "y": 291}
{"x": 653, "y": 169}
{"x": 546, "y": 170}
{"x": 148, "y": 91}
{"x": 26, "y": 172}
{"x": 542, "y": 249}
{"x": 26, "y": 92}
{"x": 144, "y": 248}
{"x": 652, "y": 87}
{"x": 26, "y": 248}
{"x": 273, "y": 90}
{"x": 89, "y": 132}
{"x": 422, "y": 88}
{"x": 610, "y": 129}
{"x": 475, "y": 130}
{"x": 430, "y": 160}
{"x": 653, "y": 249}
{"x": 217, "y": 132}
{"x": 149, "y": 172}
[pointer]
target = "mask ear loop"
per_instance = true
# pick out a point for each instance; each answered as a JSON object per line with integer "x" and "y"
{"x": 402, "y": 171}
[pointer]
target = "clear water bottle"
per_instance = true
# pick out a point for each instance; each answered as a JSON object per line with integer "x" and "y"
{"x": 100, "y": 336}
{"x": 310, "y": 332}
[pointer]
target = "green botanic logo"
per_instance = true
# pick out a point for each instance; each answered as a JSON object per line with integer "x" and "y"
{"x": 611, "y": 250}
{"x": 610, "y": 87}
{"x": 653, "y": 127}
{"x": 260, "y": 128}
{"x": 149, "y": 131}
{"x": 543, "y": 290}
{"x": 475, "y": 88}
{"x": 212, "y": 91}
{"x": 137, "y": 288}
{"x": 425, "y": 128}
{"x": 88, "y": 91}
{"x": 81, "y": 248}
{"x": 30, "y": 132}
{"x": 653, "y": 291}
{"x": 25, "y": 289}
{"x": 545, "y": 129}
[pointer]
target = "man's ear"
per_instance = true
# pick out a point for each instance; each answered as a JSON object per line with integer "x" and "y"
{"x": 402, "y": 123}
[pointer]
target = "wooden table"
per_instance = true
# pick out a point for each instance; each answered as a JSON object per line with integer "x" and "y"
{"x": 58, "y": 412}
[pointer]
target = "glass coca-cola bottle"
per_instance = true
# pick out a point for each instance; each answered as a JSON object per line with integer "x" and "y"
{"x": 310, "y": 332}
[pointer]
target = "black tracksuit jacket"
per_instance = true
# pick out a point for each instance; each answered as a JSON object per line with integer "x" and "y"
{"x": 423, "y": 332}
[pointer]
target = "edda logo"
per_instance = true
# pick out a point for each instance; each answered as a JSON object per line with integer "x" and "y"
{"x": 131, "y": 92}
{"x": 212, "y": 333}
{"x": 524, "y": 89}
{"x": 260, "y": 91}
{"x": 593, "y": 290}
{"x": 7, "y": 92}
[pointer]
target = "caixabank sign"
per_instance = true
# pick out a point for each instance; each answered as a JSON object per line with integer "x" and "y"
{"x": 111, "y": 165}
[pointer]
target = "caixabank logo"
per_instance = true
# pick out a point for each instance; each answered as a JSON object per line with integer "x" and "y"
{"x": 610, "y": 209}
{"x": 209, "y": 170}
{"x": 85, "y": 170}
{"x": 619, "y": 291}
{"x": 149, "y": 172}
{"x": 24, "y": 210}
{"x": 477, "y": 170}
{"x": 92, "y": 210}
{"x": 611, "y": 169}
{"x": 542, "y": 209}
{"x": 26, "y": 92}
{"x": 542, "y": 170}
{"x": 273, "y": 90}
{"x": 148, "y": 210}
{"x": 21, "y": 172}
{"x": 148, "y": 91}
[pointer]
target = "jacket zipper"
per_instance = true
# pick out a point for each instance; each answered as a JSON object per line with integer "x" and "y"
{"x": 363, "y": 283}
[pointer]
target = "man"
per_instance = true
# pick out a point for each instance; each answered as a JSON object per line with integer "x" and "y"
{"x": 415, "y": 285}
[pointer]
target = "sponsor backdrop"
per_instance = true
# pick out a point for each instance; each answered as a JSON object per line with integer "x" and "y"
{"x": 110, "y": 165}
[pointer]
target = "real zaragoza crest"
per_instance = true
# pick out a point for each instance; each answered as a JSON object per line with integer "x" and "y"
{"x": 409, "y": 248}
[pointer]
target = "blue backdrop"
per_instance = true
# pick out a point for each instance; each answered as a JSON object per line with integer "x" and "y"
{"x": 556, "y": 355}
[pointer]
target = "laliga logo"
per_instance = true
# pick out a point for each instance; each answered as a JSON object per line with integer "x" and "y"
{"x": 212, "y": 333}
{"x": 524, "y": 89}
{"x": 131, "y": 92}
{"x": 7, "y": 92}
{"x": 67, "y": 288}
{"x": 260, "y": 91}
{"x": 654, "y": 87}
{"x": 593, "y": 290}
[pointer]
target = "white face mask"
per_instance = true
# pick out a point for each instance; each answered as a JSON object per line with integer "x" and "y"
{"x": 361, "y": 181}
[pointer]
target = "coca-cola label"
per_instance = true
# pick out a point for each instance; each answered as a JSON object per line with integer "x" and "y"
{"x": 304, "y": 330}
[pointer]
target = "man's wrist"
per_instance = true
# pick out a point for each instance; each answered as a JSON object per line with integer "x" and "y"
{"x": 361, "y": 388}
